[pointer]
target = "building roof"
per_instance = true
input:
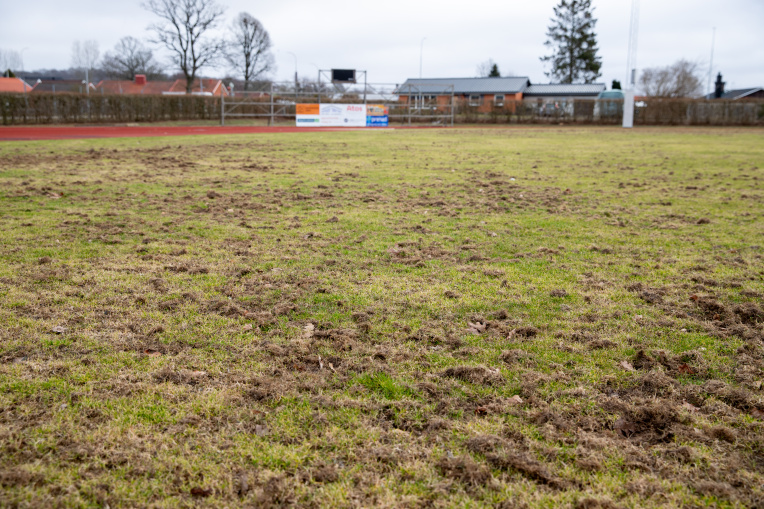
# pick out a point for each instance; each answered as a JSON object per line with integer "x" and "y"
{"x": 565, "y": 90}
{"x": 14, "y": 85}
{"x": 739, "y": 93}
{"x": 512, "y": 85}
{"x": 611, "y": 94}
{"x": 132, "y": 88}
{"x": 57, "y": 86}
{"x": 211, "y": 86}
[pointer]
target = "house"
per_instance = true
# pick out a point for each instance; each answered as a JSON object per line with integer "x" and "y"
{"x": 481, "y": 93}
{"x": 200, "y": 86}
{"x": 141, "y": 86}
{"x": 486, "y": 94}
{"x": 137, "y": 86}
{"x": 740, "y": 93}
{"x": 14, "y": 85}
{"x": 57, "y": 86}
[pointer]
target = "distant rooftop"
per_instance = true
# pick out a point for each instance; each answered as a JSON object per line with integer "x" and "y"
{"x": 586, "y": 89}
{"x": 14, "y": 85}
{"x": 739, "y": 93}
{"x": 511, "y": 85}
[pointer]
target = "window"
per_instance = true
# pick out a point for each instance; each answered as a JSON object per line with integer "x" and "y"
{"x": 476, "y": 99}
{"x": 424, "y": 102}
{"x": 498, "y": 100}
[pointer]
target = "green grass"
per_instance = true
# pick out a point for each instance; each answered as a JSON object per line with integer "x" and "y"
{"x": 349, "y": 318}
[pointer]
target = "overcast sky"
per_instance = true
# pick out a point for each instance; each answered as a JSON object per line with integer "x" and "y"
{"x": 387, "y": 38}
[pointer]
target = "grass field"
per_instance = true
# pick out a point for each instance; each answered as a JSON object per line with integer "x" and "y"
{"x": 461, "y": 317}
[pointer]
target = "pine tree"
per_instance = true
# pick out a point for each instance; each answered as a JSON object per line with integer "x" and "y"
{"x": 571, "y": 35}
{"x": 494, "y": 72}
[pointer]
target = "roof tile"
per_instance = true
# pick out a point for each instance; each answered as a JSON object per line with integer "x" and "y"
{"x": 14, "y": 85}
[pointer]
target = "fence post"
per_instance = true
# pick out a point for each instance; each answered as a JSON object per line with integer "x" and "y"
{"x": 222, "y": 108}
{"x": 452, "y": 106}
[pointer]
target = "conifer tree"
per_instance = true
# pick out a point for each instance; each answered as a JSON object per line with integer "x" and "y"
{"x": 572, "y": 38}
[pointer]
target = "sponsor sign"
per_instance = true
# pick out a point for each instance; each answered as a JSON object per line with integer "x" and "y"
{"x": 341, "y": 115}
{"x": 376, "y": 115}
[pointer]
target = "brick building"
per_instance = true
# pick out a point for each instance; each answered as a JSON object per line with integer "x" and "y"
{"x": 486, "y": 94}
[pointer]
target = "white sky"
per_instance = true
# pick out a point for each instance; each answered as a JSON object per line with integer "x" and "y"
{"x": 384, "y": 37}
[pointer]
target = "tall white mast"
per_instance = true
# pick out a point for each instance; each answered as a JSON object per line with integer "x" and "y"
{"x": 631, "y": 68}
{"x": 631, "y": 59}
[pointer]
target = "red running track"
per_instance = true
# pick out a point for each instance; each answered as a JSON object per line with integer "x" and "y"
{"x": 20, "y": 133}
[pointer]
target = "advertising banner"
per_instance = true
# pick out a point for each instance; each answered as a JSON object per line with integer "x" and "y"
{"x": 341, "y": 115}
{"x": 376, "y": 115}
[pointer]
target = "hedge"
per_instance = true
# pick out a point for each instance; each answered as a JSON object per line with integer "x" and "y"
{"x": 51, "y": 108}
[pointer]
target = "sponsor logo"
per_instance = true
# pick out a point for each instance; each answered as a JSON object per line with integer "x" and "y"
{"x": 307, "y": 109}
{"x": 377, "y": 120}
{"x": 376, "y": 110}
{"x": 308, "y": 120}
{"x": 331, "y": 110}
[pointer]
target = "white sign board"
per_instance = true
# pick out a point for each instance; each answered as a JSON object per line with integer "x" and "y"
{"x": 331, "y": 115}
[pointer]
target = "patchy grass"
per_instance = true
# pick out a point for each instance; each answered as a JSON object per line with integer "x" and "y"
{"x": 461, "y": 317}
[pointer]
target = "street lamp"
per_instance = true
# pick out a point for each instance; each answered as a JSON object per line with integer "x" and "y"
{"x": 22, "y": 58}
{"x": 421, "y": 49}
{"x": 295, "y": 69}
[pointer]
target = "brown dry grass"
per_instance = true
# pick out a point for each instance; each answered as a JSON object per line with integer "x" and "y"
{"x": 487, "y": 317}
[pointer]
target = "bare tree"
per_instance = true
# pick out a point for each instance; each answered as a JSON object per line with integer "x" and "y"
{"x": 681, "y": 79}
{"x": 85, "y": 55}
{"x": 249, "y": 50}
{"x": 10, "y": 60}
{"x": 185, "y": 31}
{"x": 129, "y": 58}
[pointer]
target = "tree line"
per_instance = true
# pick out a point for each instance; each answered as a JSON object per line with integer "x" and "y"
{"x": 186, "y": 29}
